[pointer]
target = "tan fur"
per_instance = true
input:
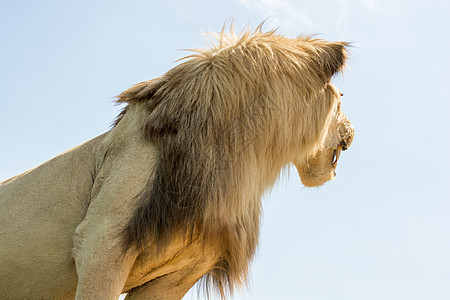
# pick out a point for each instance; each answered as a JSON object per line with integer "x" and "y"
{"x": 172, "y": 193}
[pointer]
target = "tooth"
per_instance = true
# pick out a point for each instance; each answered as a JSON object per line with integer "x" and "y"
{"x": 336, "y": 155}
{"x": 338, "y": 152}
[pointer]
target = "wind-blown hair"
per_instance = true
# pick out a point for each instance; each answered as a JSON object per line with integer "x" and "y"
{"x": 225, "y": 121}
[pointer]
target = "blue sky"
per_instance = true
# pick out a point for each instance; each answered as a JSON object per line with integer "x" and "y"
{"x": 381, "y": 230}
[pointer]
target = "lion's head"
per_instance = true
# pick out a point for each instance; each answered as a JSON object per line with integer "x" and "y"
{"x": 319, "y": 166}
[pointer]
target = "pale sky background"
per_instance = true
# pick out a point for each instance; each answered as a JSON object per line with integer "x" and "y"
{"x": 381, "y": 230}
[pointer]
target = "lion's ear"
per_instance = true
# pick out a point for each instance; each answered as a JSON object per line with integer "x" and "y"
{"x": 331, "y": 58}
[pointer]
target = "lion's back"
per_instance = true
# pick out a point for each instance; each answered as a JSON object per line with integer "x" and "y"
{"x": 39, "y": 211}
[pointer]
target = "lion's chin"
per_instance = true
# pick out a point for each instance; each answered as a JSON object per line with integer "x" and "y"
{"x": 320, "y": 168}
{"x": 313, "y": 179}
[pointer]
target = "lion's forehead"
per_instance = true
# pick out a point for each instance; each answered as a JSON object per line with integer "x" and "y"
{"x": 335, "y": 90}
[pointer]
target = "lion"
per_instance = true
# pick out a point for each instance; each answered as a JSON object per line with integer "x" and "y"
{"x": 172, "y": 193}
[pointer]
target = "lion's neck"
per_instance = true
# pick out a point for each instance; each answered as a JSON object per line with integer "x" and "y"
{"x": 202, "y": 187}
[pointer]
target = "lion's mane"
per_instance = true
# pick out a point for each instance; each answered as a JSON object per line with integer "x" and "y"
{"x": 219, "y": 119}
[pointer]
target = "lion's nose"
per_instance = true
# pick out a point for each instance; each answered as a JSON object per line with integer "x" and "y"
{"x": 347, "y": 134}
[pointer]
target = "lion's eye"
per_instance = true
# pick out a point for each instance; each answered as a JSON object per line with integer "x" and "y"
{"x": 342, "y": 94}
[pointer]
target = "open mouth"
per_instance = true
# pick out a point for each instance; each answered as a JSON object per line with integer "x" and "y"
{"x": 336, "y": 155}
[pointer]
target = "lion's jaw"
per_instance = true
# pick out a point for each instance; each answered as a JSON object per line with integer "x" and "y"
{"x": 319, "y": 167}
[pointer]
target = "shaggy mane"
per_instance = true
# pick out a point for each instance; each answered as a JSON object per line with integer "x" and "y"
{"x": 225, "y": 121}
